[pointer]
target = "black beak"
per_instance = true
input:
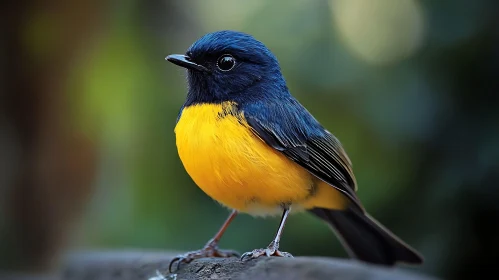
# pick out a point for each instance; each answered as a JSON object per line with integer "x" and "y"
{"x": 185, "y": 61}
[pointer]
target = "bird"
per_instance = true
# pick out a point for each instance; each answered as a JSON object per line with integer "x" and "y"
{"x": 250, "y": 145}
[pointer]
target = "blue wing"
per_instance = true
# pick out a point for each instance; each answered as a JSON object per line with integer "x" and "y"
{"x": 289, "y": 128}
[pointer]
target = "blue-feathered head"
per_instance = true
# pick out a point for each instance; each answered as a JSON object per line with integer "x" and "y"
{"x": 229, "y": 66}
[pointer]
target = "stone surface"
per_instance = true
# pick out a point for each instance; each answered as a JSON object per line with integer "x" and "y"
{"x": 128, "y": 265}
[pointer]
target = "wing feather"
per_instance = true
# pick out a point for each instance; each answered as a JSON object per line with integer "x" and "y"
{"x": 303, "y": 140}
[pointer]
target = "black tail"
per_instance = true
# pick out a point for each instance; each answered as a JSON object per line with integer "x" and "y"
{"x": 367, "y": 240}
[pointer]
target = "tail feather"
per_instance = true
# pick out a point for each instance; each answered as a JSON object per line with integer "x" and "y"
{"x": 366, "y": 239}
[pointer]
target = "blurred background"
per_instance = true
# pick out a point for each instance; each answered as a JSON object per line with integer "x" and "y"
{"x": 88, "y": 107}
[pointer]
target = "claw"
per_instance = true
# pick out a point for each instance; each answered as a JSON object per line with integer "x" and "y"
{"x": 180, "y": 261}
{"x": 170, "y": 265}
{"x": 208, "y": 251}
{"x": 172, "y": 262}
{"x": 247, "y": 254}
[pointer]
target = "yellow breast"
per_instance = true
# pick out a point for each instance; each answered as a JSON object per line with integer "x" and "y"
{"x": 233, "y": 166}
{"x": 237, "y": 169}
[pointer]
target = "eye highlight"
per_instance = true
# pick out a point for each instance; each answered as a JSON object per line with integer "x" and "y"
{"x": 226, "y": 62}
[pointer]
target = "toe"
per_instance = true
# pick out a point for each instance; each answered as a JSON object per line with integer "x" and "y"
{"x": 269, "y": 252}
{"x": 233, "y": 254}
{"x": 226, "y": 254}
{"x": 254, "y": 254}
{"x": 208, "y": 251}
{"x": 283, "y": 254}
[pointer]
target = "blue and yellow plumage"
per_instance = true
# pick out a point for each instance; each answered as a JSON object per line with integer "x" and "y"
{"x": 248, "y": 144}
{"x": 236, "y": 168}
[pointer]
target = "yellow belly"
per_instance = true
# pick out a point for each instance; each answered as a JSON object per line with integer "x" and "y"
{"x": 237, "y": 169}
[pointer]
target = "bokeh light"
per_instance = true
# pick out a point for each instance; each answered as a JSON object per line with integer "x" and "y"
{"x": 380, "y": 32}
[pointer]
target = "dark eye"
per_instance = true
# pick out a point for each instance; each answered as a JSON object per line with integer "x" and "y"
{"x": 226, "y": 62}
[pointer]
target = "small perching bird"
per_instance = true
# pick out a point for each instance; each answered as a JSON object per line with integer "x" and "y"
{"x": 251, "y": 146}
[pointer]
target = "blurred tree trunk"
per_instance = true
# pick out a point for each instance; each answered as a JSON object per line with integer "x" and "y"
{"x": 46, "y": 168}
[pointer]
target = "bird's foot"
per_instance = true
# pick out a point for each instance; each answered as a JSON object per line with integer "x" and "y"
{"x": 209, "y": 251}
{"x": 271, "y": 250}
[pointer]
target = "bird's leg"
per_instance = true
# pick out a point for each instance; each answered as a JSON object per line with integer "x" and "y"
{"x": 273, "y": 248}
{"x": 210, "y": 249}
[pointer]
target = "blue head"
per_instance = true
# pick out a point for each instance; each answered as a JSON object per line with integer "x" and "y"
{"x": 230, "y": 66}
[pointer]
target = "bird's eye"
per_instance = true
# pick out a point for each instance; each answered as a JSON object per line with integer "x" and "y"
{"x": 226, "y": 62}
